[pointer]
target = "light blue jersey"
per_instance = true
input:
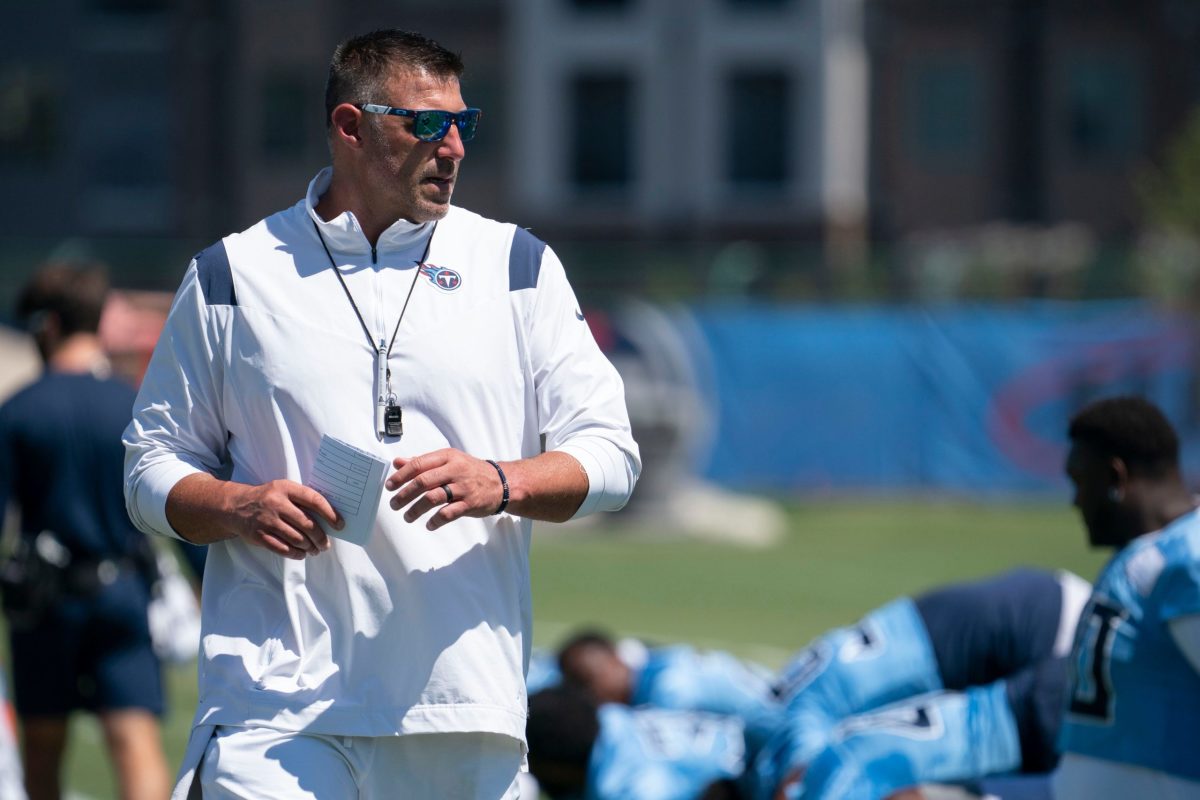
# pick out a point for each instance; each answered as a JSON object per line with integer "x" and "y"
{"x": 683, "y": 678}
{"x": 939, "y": 738}
{"x": 1135, "y": 699}
{"x": 656, "y": 754}
{"x": 885, "y": 658}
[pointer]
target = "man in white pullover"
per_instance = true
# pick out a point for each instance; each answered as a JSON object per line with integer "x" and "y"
{"x": 449, "y": 345}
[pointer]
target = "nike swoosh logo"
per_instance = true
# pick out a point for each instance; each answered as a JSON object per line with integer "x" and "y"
{"x": 578, "y": 314}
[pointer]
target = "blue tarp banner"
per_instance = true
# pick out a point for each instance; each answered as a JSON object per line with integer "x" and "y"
{"x": 969, "y": 399}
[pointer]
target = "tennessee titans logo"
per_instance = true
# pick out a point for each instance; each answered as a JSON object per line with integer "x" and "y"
{"x": 445, "y": 279}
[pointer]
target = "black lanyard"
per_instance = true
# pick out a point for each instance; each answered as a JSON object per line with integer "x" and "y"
{"x": 388, "y": 416}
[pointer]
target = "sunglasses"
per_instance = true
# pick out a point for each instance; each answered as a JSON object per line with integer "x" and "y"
{"x": 433, "y": 125}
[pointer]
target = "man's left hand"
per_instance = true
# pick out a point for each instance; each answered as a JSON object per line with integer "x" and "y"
{"x": 464, "y": 486}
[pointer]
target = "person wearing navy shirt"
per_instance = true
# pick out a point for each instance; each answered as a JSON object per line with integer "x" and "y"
{"x": 86, "y": 645}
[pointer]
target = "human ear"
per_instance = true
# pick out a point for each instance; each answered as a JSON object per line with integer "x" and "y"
{"x": 346, "y": 125}
{"x": 1118, "y": 475}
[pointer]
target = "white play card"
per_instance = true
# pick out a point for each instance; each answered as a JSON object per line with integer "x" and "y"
{"x": 352, "y": 481}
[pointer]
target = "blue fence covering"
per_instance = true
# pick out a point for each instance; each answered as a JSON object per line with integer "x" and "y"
{"x": 970, "y": 399}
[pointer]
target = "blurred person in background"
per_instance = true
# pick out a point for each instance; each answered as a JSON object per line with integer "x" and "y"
{"x": 1132, "y": 727}
{"x": 544, "y": 670}
{"x": 579, "y": 748}
{"x": 78, "y": 582}
{"x": 444, "y": 344}
{"x": 611, "y": 751}
{"x": 994, "y": 647}
{"x": 977, "y": 669}
{"x": 673, "y": 677}
{"x": 969, "y": 737}
{"x": 953, "y": 685}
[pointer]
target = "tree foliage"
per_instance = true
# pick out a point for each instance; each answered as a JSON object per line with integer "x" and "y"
{"x": 1170, "y": 194}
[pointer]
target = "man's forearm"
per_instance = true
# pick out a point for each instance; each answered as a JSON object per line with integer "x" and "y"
{"x": 548, "y": 487}
{"x": 280, "y": 516}
{"x": 198, "y": 508}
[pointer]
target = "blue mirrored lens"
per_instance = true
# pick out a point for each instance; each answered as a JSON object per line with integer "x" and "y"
{"x": 432, "y": 126}
{"x": 467, "y": 122}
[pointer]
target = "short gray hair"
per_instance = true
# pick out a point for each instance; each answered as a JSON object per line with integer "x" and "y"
{"x": 362, "y": 65}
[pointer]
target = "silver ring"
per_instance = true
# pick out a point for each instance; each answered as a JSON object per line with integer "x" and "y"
{"x": 449, "y": 494}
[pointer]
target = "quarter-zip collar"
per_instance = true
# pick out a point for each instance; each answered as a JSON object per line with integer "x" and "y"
{"x": 343, "y": 234}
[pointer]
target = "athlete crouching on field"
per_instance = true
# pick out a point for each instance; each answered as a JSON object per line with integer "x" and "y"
{"x": 1132, "y": 728}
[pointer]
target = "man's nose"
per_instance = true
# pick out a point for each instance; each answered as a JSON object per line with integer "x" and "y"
{"x": 452, "y": 146}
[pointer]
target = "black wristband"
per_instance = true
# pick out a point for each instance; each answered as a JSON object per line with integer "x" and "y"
{"x": 504, "y": 485}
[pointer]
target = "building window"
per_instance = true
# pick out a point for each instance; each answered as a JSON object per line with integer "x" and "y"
{"x": 1102, "y": 108}
{"x": 286, "y": 116}
{"x": 132, "y": 149}
{"x": 29, "y": 130}
{"x": 943, "y": 109}
{"x": 758, "y": 126}
{"x": 601, "y": 153}
{"x": 126, "y": 161}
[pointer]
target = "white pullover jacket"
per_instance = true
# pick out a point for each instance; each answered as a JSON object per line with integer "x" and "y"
{"x": 417, "y": 631}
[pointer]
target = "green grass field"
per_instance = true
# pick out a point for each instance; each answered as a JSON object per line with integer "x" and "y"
{"x": 838, "y": 560}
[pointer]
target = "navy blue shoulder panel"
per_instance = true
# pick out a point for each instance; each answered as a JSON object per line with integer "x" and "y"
{"x": 524, "y": 260}
{"x": 216, "y": 278}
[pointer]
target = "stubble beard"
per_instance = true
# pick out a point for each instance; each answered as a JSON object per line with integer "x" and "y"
{"x": 417, "y": 200}
{"x": 427, "y": 207}
{"x": 405, "y": 192}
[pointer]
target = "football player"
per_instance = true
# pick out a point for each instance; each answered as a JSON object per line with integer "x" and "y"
{"x": 612, "y": 751}
{"x": 1132, "y": 727}
{"x": 977, "y": 667}
{"x": 672, "y": 677}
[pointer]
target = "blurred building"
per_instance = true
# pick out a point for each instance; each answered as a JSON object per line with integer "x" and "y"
{"x": 1030, "y": 111}
{"x": 696, "y": 118}
{"x": 177, "y": 118}
{"x": 609, "y": 119}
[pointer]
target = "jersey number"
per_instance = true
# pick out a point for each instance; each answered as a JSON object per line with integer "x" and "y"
{"x": 908, "y": 720}
{"x": 1093, "y": 693}
{"x": 803, "y": 670}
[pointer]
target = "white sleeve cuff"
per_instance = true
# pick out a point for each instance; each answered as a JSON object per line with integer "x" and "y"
{"x": 148, "y": 509}
{"x": 611, "y": 474}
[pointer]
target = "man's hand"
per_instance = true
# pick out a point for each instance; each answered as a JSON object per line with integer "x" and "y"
{"x": 464, "y": 486}
{"x": 548, "y": 486}
{"x": 279, "y": 516}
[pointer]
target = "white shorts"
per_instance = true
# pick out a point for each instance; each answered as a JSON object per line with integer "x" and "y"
{"x": 260, "y": 762}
